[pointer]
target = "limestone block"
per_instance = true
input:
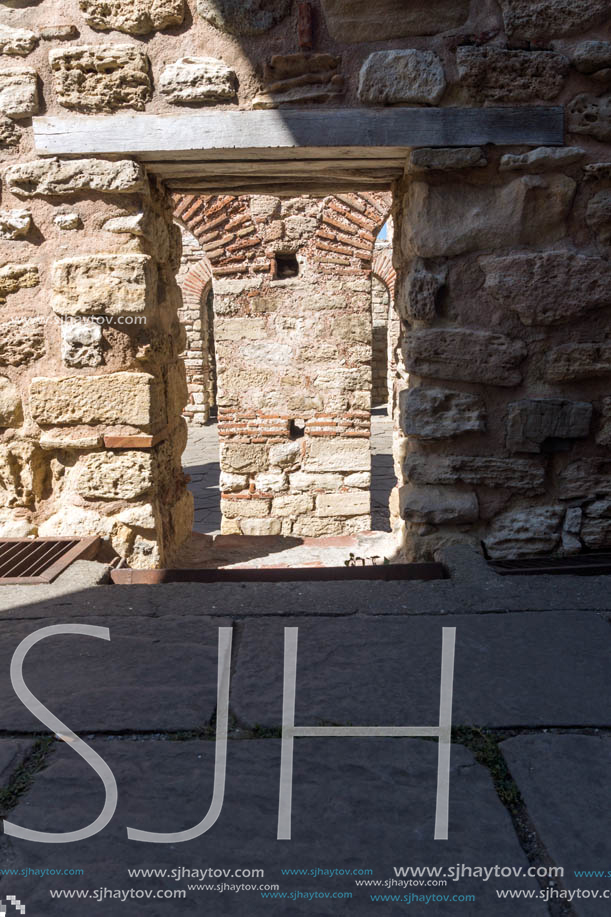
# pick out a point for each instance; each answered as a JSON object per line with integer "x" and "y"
{"x": 468, "y": 356}
{"x": 585, "y": 478}
{"x": 402, "y": 76}
{"x": 59, "y": 31}
{"x": 273, "y": 482}
{"x": 590, "y": 114}
{"x": 136, "y": 17}
{"x": 76, "y": 521}
{"x": 571, "y": 529}
{"x": 103, "y": 284}
{"x": 539, "y": 19}
{"x": 9, "y": 132}
{"x": 512, "y": 474}
{"x": 115, "y": 398}
{"x": 453, "y": 219}
{"x": 337, "y": 454}
{"x": 598, "y": 216}
{"x": 198, "y": 79}
{"x": 435, "y": 413}
{"x": 578, "y": 361}
{"x": 492, "y": 74}
{"x": 533, "y": 423}
{"x": 305, "y": 481}
{"x": 141, "y": 516}
{"x": 261, "y": 527}
{"x": 229, "y": 483}
{"x": 23, "y": 473}
{"x": 230, "y": 526}
{"x": 358, "y": 479}
{"x": 343, "y": 504}
{"x": 521, "y": 533}
{"x": 596, "y": 526}
{"x": 360, "y": 20}
{"x": 177, "y": 394}
{"x": 81, "y": 344}
{"x": 14, "y": 277}
{"x": 438, "y": 505}
{"x": 58, "y": 178}
{"x": 603, "y": 437}
{"x": 115, "y": 475}
{"x": 13, "y": 526}
{"x": 243, "y": 17}
{"x": 101, "y": 77}
{"x": 548, "y": 288}
{"x": 292, "y": 505}
{"x": 10, "y": 404}
{"x": 448, "y": 159}
{"x": 15, "y": 224}
{"x": 245, "y": 508}
{"x": 418, "y": 291}
{"x": 17, "y": 42}
{"x": 590, "y": 56}
{"x": 320, "y": 526}
{"x": 242, "y": 458}
{"x": 541, "y": 159}
{"x": 21, "y": 344}
{"x": 285, "y": 455}
{"x": 19, "y": 92}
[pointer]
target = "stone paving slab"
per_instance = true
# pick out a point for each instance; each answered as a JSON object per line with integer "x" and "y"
{"x": 511, "y": 670}
{"x": 153, "y": 674}
{"x": 12, "y": 753}
{"x": 564, "y": 780}
{"x": 357, "y": 803}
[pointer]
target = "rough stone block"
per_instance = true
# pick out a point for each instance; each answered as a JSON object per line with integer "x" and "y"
{"x": 230, "y": 483}
{"x": 198, "y": 79}
{"x": 14, "y": 277}
{"x": 541, "y": 159}
{"x": 522, "y": 533}
{"x": 116, "y": 476}
{"x": 598, "y": 216}
{"x": 17, "y": 42}
{"x": 359, "y": 20}
{"x": 261, "y": 527}
{"x": 81, "y": 344}
{"x": 15, "y": 224}
{"x": 177, "y": 394}
{"x": 103, "y": 284}
{"x": 591, "y": 115}
{"x": 402, "y": 76}
{"x": 292, "y": 505}
{"x": 337, "y": 454}
{"x": 243, "y": 17}
{"x": 596, "y": 526}
{"x": 468, "y": 356}
{"x": 534, "y": 424}
{"x": 603, "y": 437}
{"x": 245, "y": 508}
{"x": 591, "y": 56}
{"x": 23, "y": 473}
{"x": 101, "y": 77}
{"x": 304, "y": 481}
{"x": 56, "y": 177}
{"x": 285, "y": 455}
{"x": 483, "y": 470}
{"x": 585, "y": 478}
{"x": 417, "y": 296}
{"x": 343, "y": 504}
{"x": 534, "y": 20}
{"x": 571, "y": 529}
{"x": 494, "y": 74}
{"x": 578, "y": 361}
{"x": 10, "y": 404}
{"x": 19, "y": 92}
{"x": 548, "y": 288}
{"x": 9, "y": 132}
{"x": 440, "y": 221}
{"x": 358, "y": 479}
{"x": 21, "y": 344}
{"x": 273, "y": 482}
{"x": 435, "y": 413}
{"x": 115, "y": 398}
{"x": 437, "y": 505}
{"x": 448, "y": 159}
{"x": 136, "y": 17}
{"x": 242, "y": 458}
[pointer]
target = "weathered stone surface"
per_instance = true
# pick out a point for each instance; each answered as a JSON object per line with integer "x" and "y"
{"x": 571, "y": 528}
{"x": 402, "y": 76}
{"x": 540, "y": 19}
{"x": 438, "y": 505}
{"x": 417, "y": 295}
{"x": 300, "y": 77}
{"x": 242, "y": 458}
{"x": 238, "y": 508}
{"x": 17, "y": 42}
{"x": 243, "y": 17}
{"x": 548, "y": 288}
{"x": 116, "y": 475}
{"x": 285, "y": 455}
{"x": 56, "y": 177}
{"x": 598, "y": 216}
{"x": 596, "y": 526}
{"x": 15, "y": 224}
{"x": 578, "y": 361}
{"x": 81, "y": 344}
{"x": 114, "y": 398}
{"x": 521, "y": 533}
{"x": 198, "y": 79}
{"x": 229, "y": 482}
{"x": 590, "y": 56}
{"x": 14, "y": 277}
{"x": 343, "y": 504}
{"x": 532, "y": 423}
{"x": 358, "y": 20}
{"x": 468, "y": 356}
{"x": 68, "y": 222}
{"x": 603, "y": 437}
{"x": 292, "y": 505}
{"x": 10, "y": 404}
{"x": 448, "y": 159}
{"x": 317, "y": 481}
{"x": 261, "y": 527}
{"x": 101, "y": 77}
{"x": 436, "y": 413}
{"x": 9, "y": 132}
{"x": 585, "y": 478}
{"x": 541, "y": 159}
{"x": 136, "y": 17}
{"x": 590, "y": 114}
{"x": 59, "y": 31}
{"x": 109, "y": 284}
{"x": 494, "y": 74}
{"x": 23, "y": 472}
{"x": 273, "y": 482}
{"x": 21, "y": 343}
{"x": 337, "y": 454}
{"x": 19, "y": 92}
{"x": 453, "y": 219}
{"x": 513, "y": 474}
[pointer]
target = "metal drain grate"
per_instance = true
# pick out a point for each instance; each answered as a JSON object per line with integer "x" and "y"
{"x": 596, "y": 564}
{"x": 41, "y": 560}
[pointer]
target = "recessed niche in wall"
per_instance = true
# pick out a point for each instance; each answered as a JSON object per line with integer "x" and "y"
{"x": 286, "y": 266}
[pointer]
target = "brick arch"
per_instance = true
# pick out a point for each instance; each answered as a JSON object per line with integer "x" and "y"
{"x": 350, "y": 225}
{"x": 382, "y": 267}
